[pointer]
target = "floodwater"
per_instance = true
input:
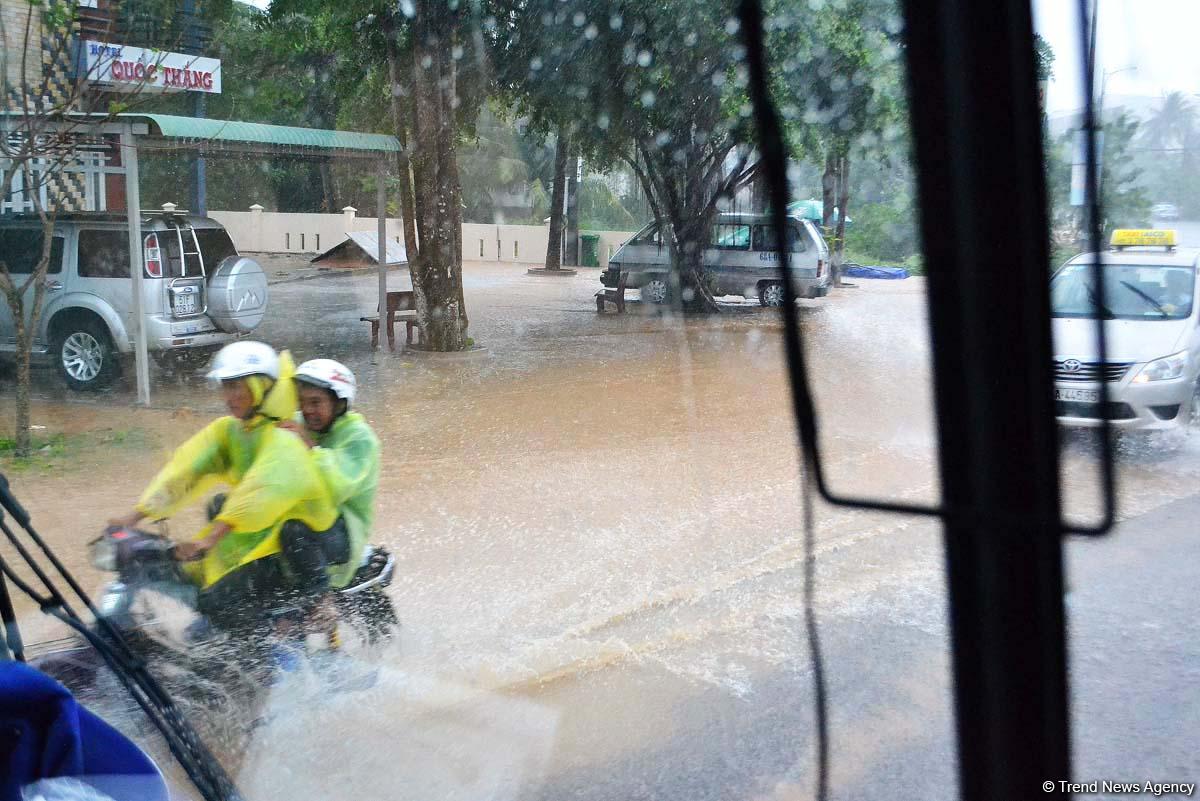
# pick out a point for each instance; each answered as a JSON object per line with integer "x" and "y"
{"x": 598, "y": 525}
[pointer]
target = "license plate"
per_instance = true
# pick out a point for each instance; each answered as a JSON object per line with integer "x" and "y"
{"x": 185, "y": 304}
{"x": 1077, "y": 395}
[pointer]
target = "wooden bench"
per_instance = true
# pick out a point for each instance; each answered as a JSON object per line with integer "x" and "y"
{"x": 613, "y": 296}
{"x": 400, "y": 306}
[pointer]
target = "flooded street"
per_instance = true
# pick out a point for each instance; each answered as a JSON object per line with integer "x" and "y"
{"x": 598, "y": 526}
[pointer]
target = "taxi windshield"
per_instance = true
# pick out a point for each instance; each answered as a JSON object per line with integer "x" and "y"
{"x": 1131, "y": 292}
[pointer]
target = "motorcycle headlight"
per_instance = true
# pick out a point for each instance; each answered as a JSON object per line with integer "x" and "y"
{"x": 103, "y": 553}
{"x": 1163, "y": 369}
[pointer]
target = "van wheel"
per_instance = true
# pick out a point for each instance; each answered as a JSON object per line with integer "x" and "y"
{"x": 656, "y": 290}
{"x": 85, "y": 356}
{"x": 771, "y": 293}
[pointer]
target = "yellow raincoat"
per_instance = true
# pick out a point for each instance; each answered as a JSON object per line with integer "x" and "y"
{"x": 271, "y": 475}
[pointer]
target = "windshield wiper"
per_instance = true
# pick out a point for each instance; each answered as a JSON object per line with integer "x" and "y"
{"x": 1158, "y": 307}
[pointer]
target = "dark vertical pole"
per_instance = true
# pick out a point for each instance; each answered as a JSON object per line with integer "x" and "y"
{"x": 10, "y": 635}
{"x": 200, "y": 177}
{"x": 977, "y": 135}
{"x": 570, "y": 254}
{"x": 192, "y": 45}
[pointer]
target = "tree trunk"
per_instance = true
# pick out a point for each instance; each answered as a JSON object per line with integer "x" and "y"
{"x": 403, "y": 168}
{"x": 554, "y": 245}
{"x": 571, "y": 256}
{"x": 437, "y": 269}
{"x": 328, "y": 188}
{"x": 828, "y": 190}
{"x": 839, "y": 245}
{"x": 24, "y": 381}
{"x": 690, "y": 285}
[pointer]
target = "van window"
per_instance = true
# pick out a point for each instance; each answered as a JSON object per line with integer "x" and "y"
{"x": 104, "y": 254}
{"x": 731, "y": 237}
{"x": 765, "y": 239}
{"x": 20, "y": 248}
{"x": 647, "y": 236}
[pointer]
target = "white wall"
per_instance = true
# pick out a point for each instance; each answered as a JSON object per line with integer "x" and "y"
{"x": 259, "y": 231}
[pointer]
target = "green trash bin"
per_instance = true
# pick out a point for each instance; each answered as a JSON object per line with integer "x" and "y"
{"x": 591, "y": 250}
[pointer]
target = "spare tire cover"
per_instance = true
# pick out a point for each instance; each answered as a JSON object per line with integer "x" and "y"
{"x": 237, "y": 295}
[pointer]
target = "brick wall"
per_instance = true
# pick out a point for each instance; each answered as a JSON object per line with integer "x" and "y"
{"x": 14, "y": 16}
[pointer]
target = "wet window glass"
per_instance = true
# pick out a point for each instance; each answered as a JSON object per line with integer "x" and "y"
{"x": 103, "y": 254}
{"x": 479, "y": 476}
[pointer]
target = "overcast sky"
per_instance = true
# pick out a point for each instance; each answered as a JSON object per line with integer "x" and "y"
{"x": 1160, "y": 39}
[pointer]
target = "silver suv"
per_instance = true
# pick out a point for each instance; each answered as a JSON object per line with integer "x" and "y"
{"x": 198, "y": 292}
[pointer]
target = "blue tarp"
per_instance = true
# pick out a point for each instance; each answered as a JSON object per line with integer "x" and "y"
{"x": 859, "y": 271}
{"x": 46, "y": 734}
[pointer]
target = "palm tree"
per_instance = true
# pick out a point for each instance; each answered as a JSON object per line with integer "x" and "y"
{"x": 1173, "y": 124}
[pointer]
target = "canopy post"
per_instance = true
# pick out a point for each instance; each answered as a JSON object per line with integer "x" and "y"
{"x": 381, "y": 216}
{"x": 133, "y": 210}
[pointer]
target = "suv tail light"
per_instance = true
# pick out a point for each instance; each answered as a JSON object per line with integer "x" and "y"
{"x": 820, "y": 267}
{"x": 153, "y": 257}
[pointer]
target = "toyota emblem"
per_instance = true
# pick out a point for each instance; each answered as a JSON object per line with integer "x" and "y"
{"x": 1072, "y": 366}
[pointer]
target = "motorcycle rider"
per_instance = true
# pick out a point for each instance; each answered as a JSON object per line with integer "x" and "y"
{"x": 345, "y": 452}
{"x": 239, "y": 574}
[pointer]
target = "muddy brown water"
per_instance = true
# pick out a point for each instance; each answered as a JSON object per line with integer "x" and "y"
{"x": 589, "y": 496}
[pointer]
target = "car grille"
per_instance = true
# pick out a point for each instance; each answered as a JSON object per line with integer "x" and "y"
{"x": 1090, "y": 371}
{"x": 1093, "y": 411}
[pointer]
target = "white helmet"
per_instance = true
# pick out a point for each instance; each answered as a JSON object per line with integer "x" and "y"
{"x": 328, "y": 374}
{"x": 241, "y": 359}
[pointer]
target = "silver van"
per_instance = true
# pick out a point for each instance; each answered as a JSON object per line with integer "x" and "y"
{"x": 198, "y": 293}
{"x": 741, "y": 257}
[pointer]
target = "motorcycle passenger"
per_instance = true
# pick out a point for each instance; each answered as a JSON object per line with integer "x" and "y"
{"x": 345, "y": 452}
{"x": 239, "y": 574}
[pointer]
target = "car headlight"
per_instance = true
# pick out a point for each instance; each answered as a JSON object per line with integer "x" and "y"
{"x": 103, "y": 553}
{"x": 1163, "y": 369}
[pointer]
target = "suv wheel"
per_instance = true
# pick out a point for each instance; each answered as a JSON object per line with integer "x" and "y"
{"x": 656, "y": 290}
{"x": 85, "y": 356}
{"x": 771, "y": 294}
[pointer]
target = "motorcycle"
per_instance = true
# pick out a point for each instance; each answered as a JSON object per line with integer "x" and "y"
{"x": 145, "y": 566}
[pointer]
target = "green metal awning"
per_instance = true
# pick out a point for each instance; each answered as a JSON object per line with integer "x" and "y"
{"x": 214, "y": 137}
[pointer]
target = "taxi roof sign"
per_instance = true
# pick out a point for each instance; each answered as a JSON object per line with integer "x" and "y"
{"x": 1143, "y": 237}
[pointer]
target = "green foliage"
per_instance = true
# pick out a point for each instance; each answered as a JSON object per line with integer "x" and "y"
{"x": 58, "y": 452}
{"x": 1045, "y": 58}
{"x": 1125, "y": 203}
{"x": 883, "y": 230}
{"x": 489, "y": 167}
{"x": 539, "y": 200}
{"x": 600, "y": 209}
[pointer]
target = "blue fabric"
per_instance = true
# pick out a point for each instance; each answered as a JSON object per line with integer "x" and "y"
{"x": 859, "y": 271}
{"x": 45, "y": 733}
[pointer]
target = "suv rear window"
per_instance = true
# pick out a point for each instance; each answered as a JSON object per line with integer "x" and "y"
{"x": 215, "y": 247}
{"x": 20, "y": 248}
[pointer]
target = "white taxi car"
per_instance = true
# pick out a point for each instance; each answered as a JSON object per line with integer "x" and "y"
{"x": 1152, "y": 327}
